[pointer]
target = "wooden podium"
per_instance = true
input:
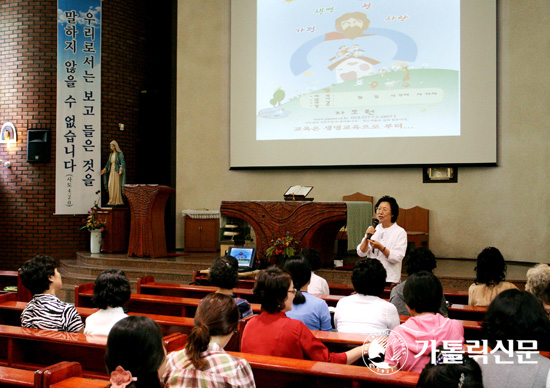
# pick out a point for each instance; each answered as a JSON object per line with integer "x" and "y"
{"x": 147, "y": 203}
{"x": 315, "y": 224}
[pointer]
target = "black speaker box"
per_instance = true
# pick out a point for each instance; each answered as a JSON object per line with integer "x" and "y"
{"x": 38, "y": 145}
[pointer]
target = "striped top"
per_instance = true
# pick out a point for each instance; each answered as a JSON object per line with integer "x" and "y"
{"x": 47, "y": 311}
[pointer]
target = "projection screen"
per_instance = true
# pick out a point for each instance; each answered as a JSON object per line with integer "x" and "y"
{"x": 362, "y": 83}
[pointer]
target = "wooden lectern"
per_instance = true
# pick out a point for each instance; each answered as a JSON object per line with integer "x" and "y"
{"x": 315, "y": 224}
{"x": 147, "y": 203}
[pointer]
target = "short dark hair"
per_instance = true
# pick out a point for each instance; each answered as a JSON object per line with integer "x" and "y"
{"x": 300, "y": 271}
{"x": 224, "y": 272}
{"x": 448, "y": 375}
{"x": 313, "y": 257}
{"x": 516, "y": 315}
{"x": 393, "y": 205}
{"x": 423, "y": 292}
{"x": 111, "y": 289}
{"x": 491, "y": 267}
{"x": 35, "y": 273}
{"x": 217, "y": 314}
{"x": 420, "y": 259}
{"x": 369, "y": 277}
{"x": 135, "y": 343}
{"x": 271, "y": 288}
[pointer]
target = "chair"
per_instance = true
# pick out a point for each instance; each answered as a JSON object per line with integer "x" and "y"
{"x": 416, "y": 223}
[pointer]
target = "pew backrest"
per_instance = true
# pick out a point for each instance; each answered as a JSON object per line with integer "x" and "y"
{"x": 270, "y": 371}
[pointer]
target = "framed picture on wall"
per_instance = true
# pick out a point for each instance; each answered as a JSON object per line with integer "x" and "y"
{"x": 440, "y": 175}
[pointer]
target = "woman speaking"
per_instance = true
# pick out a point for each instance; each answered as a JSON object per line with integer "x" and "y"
{"x": 388, "y": 241}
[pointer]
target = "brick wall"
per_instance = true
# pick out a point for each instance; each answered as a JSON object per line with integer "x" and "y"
{"x": 28, "y": 32}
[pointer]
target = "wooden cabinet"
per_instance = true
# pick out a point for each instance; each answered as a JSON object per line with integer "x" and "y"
{"x": 201, "y": 235}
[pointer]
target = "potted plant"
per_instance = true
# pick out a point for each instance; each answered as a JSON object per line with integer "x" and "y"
{"x": 94, "y": 225}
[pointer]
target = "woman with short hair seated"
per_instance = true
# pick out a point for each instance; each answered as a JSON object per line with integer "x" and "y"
{"x": 111, "y": 291}
{"x": 410, "y": 344}
{"x": 203, "y": 362}
{"x": 419, "y": 259}
{"x": 224, "y": 274}
{"x": 538, "y": 278}
{"x": 365, "y": 312}
{"x": 309, "y": 309}
{"x": 516, "y": 327}
{"x": 272, "y": 333}
{"x": 490, "y": 274}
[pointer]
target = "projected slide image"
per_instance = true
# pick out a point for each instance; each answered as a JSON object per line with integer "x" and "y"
{"x": 357, "y": 69}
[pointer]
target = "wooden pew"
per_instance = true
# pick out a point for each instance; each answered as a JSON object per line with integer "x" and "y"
{"x": 165, "y": 305}
{"x": 33, "y": 348}
{"x": 14, "y": 377}
{"x": 10, "y": 314}
{"x": 201, "y": 278}
{"x": 148, "y": 286}
{"x": 79, "y": 382}
{"x": 467, "y": 312}
{"x": 277, "y": 372}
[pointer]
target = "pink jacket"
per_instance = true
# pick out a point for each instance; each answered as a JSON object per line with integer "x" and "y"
{"x": 410, "y": 345}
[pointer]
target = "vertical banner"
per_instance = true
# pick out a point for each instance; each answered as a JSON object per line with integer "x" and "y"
{"x": 78, "y": 147}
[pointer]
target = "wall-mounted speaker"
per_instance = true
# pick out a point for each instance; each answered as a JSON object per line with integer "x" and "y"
{"x": 38, "y": 145}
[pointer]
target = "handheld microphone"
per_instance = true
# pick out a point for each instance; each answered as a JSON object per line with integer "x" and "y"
{"x": 374, "y": 224}
{"x": 369, "y": 235}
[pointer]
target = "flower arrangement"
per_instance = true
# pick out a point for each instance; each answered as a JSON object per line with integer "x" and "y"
{"x": 92, "y": 222}
{"x": 283, "y": 246}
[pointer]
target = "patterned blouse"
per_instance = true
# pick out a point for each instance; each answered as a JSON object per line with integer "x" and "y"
{"x": 47, "y": 311}
{"x": 221, "y": 370}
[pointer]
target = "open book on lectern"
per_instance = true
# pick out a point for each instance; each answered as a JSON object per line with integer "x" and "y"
{"x": 298, "y": 193}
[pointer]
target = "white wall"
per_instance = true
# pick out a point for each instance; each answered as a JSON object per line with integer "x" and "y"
{"x": 505, "y": 206}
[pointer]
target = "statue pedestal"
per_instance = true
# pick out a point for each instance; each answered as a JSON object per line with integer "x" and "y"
{"x": 115, "y": 235}
{"x": 147, "y": 235}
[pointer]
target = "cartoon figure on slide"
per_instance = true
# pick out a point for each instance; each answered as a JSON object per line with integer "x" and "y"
{"x": 351, "y": 63}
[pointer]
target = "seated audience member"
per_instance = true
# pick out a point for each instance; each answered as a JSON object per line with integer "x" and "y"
{"x": 203, "y": 362}
{"x": 538, "y": 279}
{"x": 490, "y": 273}
{"x": 317, "y": 284}
{"x": 425, "y": 329}
{"x": 309, "y": 309}
{"x": 545, "y": 299}
{"x": 111, "y": 291}
{"x": 365, "y": 312}
{"x": 45, "y": 310}
{"x": 514, "y": 320}
{"x": 224, "y": 274}
{"x": 419, "y": 259}
{"x": 272, "y": 333}
{"x": 135, "y": 353}
{"x": 450, "y": 373}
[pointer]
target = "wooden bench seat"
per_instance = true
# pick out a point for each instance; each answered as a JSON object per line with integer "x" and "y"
{"x": 277, "y": 372}
{"x": 34, "y": 348}
{"x": 14, "y": 377}
{"x": 467, "y": 312}
{"x": 150, "y": 304}
{"x": 79, "y": 382}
